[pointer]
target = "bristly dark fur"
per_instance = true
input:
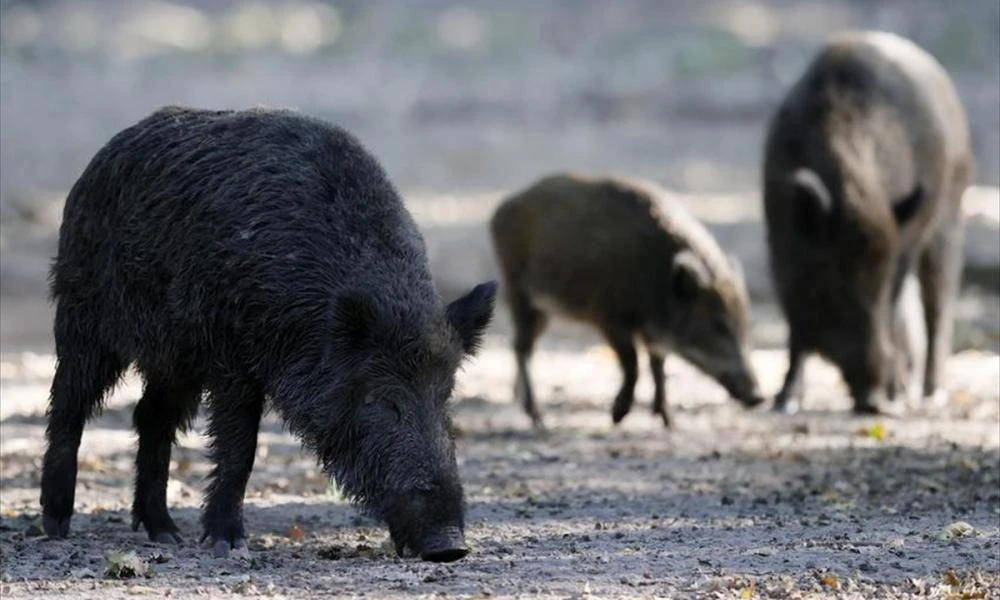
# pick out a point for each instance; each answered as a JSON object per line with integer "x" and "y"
{"x": 866, "y": 162}
{"x": 257, "y": 254}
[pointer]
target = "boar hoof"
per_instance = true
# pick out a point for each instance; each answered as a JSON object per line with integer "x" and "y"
{"x": 786, "y": 407}
{"x": 866, "y": 407}
{"x": 882, "y": 407}
{"x": 937, "y": 399}
{"x": 664, "y": 415}
{"x": 752, "y": 401}
{"x": 445, "y": 555}
{"x": 620, "y": 409}
{"x": 161, "y": 535}
{"x": 55, "y": 527}
{"x": 447, "y": 546}
{"x": 539, "y": 425}
{"x": 166, "y": 537}
{"x": 224, "y": 548}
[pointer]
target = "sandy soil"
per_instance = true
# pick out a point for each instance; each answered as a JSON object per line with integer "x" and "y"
{"x": 730, "y": 504}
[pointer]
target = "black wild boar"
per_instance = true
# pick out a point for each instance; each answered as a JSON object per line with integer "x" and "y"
{"x": 866, "y": 161}
{"x": 259, "y": 256}
{"x": 615, "y": 253}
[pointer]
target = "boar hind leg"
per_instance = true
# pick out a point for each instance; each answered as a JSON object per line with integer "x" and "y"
{"x": 622, "y": 343}
{"x": 234, "y": 419}
{"x": 789, "y": 398}
{"x": 529, "y": 323}
{"x": 940, "y": 273}
{"x": 656, "y": 362}
{"x": 164, "y": 408}
{"x": 85, "y": 372}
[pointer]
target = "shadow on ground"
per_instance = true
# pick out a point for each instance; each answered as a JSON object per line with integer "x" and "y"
{"x": 634, "y": 510}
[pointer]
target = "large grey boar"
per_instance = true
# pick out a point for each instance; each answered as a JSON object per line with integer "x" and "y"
{"x": 866, "y": 162}
{"x": 617, "y": 254}
{"x": 263, "y": 257}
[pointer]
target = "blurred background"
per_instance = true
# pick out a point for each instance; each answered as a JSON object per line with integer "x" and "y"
{"x": 464, "y": 101}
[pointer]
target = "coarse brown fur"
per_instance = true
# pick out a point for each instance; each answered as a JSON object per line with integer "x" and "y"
{"x": 866, "y": 161}
{"x": 617, "y": 254}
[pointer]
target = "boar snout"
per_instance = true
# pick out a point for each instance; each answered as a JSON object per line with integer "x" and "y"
{"x": 444, "y": 545}
{"x": 743, "y": 387}
{"x": 429, "y": 525}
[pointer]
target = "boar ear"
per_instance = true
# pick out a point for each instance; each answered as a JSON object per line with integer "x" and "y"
{"x": 689, "y": 275}
{"x": 904, "y": 208}
{"x": 471, "y": 313}
{"x": 812, "y": 201}
{"x": 354, "y": 314}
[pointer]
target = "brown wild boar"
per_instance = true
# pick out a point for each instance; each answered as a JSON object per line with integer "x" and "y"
{"x": 866, "y": 161}
{"x": 614, "y": 253}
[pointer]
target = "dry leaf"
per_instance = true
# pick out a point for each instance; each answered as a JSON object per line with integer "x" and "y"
{"x": 973, "y": 595}
{"x": 844, "y": 506}
{"x": 962, "y": 397}
{"x": 748, "y": 592}
{"x": 951, "y": 578}
{"x": 958, "y": 529}
{"x": 968, "y": 464}
{"x": 124, "y": 565}
{"x": 140, "y": 590}
{"x": 92, "y": 464}
{"x": 830, "y": 495}
{"x": 295, "y": 533}
{"x": 876, "y": 432}
{"x": 829, "y": 580}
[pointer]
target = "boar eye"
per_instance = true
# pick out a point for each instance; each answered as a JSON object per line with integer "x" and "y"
{"x": 383, "y": 401}
{"x": 397, "y": 412}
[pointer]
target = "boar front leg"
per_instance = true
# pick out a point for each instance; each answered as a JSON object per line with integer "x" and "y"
{"x": 234, "y": 419}
{"x": 789, "y": 399}
{"x": 529, "y": 323}
{"x": 166, "y": 406}
{"x": 940, "y": 273}
{"x": 620, "y": 340}
{"x": 656, "y": 362}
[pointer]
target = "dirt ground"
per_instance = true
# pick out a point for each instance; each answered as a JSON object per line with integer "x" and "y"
{"x": 731, "y": 504}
